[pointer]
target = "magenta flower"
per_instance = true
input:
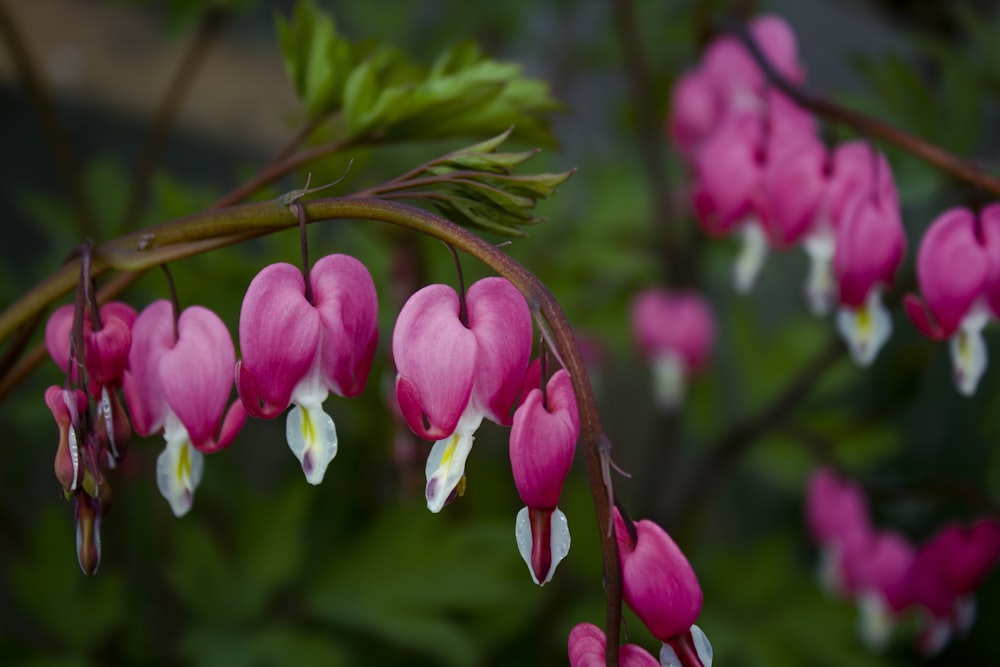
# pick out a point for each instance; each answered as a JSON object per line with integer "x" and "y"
{"x": 659, "y": 585}
{"x": 179, "y": 384}
{"x": 297, "y": 352}
{"x": 957, "y": 304}
{"x": 587, "y": 647}
{"x": 455, "y": 368}
{"x": 675, "y": 332}
{"x": 944, "y": 575}
{"x": 542, "y": 443}
{"x": 869, "y": 247}
{"x": 105, "y": 357}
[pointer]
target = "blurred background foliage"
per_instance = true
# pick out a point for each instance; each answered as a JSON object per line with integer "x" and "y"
{"x": 266, "y": 570}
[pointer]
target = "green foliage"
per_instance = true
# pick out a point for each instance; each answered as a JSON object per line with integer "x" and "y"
{"x": 383, "y": 96}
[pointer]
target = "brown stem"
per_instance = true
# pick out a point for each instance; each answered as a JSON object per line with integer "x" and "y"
{"x": 209, "y": 29}
{"x": 62, "y": 149}
{"x": 731, "y": 445}
{"x": 965, "y": 170}
{"x": 216, "y": 228}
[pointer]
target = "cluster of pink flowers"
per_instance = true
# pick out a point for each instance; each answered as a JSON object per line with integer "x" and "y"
{"x": 887, "y": 575}
{"x": 659, "y": 585}
{"x": 760, "y": 170}
{"x": 460, "y": 359}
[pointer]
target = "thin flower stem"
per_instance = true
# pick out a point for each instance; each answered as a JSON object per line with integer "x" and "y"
{"x": 62, "y": 148}
{"x": 199, "y": 47}
{"x": 962, "y": 169}
{"x": 217, "y": 228}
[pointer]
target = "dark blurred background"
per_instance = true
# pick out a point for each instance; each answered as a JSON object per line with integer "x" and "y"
{"x": 268, "y": 570}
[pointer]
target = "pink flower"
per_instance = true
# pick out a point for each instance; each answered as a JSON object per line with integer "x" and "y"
{"x": 946, "y": 572}
{"x": 728, "y": 81}
{"x": 587, "y": 646}
{"x": 869, "y": 246}
{"x": 958, "y": 304}
{"x": 105, "y": 356}
{"x": 179, "y": 384}
{"x": 297, "y": 352}
{"x": 659, "y": 585}
{"x": 675, "y": 332}
{"x": 67, "y": 407}
{"x": 452, "y": 373}
{"x": 805, "y": 195}
{"x": 542, "y": 443}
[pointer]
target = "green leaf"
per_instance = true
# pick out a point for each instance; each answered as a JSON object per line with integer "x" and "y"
{"x": 359, "y": 95}
{"x": 417, "y": 582}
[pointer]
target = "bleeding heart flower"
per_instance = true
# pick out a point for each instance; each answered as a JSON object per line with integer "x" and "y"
{"x": 456, "y": 366}
{"x": 675, "y": 332}
{"x": 659, "y": 585}
{"x": 869, "y": 246}
{"x": 297, "y": 351}
{"x": 179, "y": 384}
{"x": 959, "y": 304}
{"x": 542, "y": 443}
{"x": 587, "y": 647}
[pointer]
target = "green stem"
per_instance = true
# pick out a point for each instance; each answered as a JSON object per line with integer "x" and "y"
{"x": 222, "y": 227}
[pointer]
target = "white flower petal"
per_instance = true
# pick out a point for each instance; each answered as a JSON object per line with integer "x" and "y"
{"x": 179, "y": 467}
{"x": 668, "y": 657}
{"x": 446, "y": 463}
{"x": 875, "y": 620}
{"x": 867, "y": 329}
{"x": 669, "y": 380}
{"x": 702, "y": 646}
{"x": 968, "y": 351}
{"x": 522, "y": 535}
{"x": 820, "y": 289}
{"x": 750, "y": 260}
{"x": 312, "y": 437}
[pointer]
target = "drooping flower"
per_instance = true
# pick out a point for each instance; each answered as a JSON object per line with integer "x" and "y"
{"x": 542, "y": 443}
{"x": 587, "y": 645}
{"x": 456, "y": 366}
{"x": 728, "y": 81}
{"x": 297, "y": 352}
{"x": 179, "y": 384}
{"x": 945, "y": 573}
{"x": 957, "y": 304}
{"x": 67, "y": 406}
{"x": 105, "y": 357}
{"x": 659, "y": 585}
{"x": 869, "y": 245}
{"x": 675, "y": 332}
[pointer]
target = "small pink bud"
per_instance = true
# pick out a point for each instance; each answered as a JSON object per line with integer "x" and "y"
{"x": 658, "y": 583}
{"x": 587, "y": 647}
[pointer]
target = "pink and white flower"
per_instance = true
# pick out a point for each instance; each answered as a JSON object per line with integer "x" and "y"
{"x": 297, "y": 352}
{"x": 456, "y": 365}
{"x": 542, "y": 443}
{"x": 178, "y": 383}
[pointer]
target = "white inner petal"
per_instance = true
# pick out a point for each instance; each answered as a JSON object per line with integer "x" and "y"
{"x": 867, "y": 329}
{"x": 820, "y": 289}
{"x": 560, "y": 541}
{"x": 522, "y": 535}
{"x": 969, "y": 357}
{"x": 668, "y": 657}
{"x": 753, "y": 253}
{"x": 875, "y": 620}
{"x": 446, "y": 463}
{"x": 669, "y": 380}
{"x": 702, "y": 646}
{"x": 965, "y": 613}
{"x": 179, "y": 467}
{"x": 312, "y": 437}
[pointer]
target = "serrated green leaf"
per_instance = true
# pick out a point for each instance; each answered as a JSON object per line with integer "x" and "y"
{"x": 536, "y": 186}
{"x": 471, "y": 213}
{"x": 488, "y": 146}
{"x": 514, "y": 205}
{"x": 424, "y": 601}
